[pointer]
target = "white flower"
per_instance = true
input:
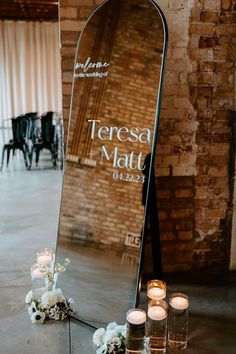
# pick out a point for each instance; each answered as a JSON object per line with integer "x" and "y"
{"x": 38, "y": 317}
{"x": 116, "y": 342}
{"x": 98, "y": 337}
{"x": 109, "y": 335}
{"x": 32, "y": 308}
{"x": 121, "y": 330}
{"x": 49, "y": 298}
{"x": 114, "y": 345}
{"x": 55, "y": 313}
{"x": 102, "y": 349}
{"x": 29, "y": 297}
{"x": 111, "y": 326}
{"x": 59, "y": 294}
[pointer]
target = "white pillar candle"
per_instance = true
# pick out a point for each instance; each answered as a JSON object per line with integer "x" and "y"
{"x": 45, "y": 257}
{"x": 156, "y": 293}
{"x": 179, "y": 303}
{"x": 157, "y": 313}
{"x": 44, "y": 260}
{"x": 136, "y": 317}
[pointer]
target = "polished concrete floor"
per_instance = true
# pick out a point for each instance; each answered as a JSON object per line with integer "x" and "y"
{"x": 29, "y": 208}
{"x": 89, "y": 267}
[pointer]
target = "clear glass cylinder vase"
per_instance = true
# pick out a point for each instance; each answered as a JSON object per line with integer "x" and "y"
{"x": 156, "y": 327}
{"x": 178, "y": 321}
{"x": 39, "y": 281}
{"x": 135, "y": 331}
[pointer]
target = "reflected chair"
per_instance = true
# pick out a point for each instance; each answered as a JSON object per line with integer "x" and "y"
{"x": 47, "y": 140}
{"x": 20, "y": 138}
{"x": 34, "y": 123}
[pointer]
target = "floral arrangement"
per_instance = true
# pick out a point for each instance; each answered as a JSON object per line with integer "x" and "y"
{"x": 110, "y": 340}
{"x": 51, "y": 305}
{"x": 47, "y": 302}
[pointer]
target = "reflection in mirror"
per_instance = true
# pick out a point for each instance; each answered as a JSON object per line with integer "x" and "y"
{"x": 30, "y": 102}
{"x": 117, "y": 78}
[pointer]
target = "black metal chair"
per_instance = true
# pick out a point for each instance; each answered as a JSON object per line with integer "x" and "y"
{"x": 47, "y": 140}
{"x": 20, "y": 137}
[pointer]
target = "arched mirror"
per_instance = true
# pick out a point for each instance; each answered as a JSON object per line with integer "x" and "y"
{"x": 111, "y": 146}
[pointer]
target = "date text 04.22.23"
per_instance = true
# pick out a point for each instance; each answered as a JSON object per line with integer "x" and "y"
{"x": 128, "y": 177}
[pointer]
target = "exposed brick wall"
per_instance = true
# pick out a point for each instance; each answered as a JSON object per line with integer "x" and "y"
{"x": 194, "y": 134}
{"x": 212, "y": 33}
{"x": 176, "y": 221}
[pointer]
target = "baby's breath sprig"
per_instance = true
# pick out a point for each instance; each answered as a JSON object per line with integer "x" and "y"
{"x": 50, "y": 275}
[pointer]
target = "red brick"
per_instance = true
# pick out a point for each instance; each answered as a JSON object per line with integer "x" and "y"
{"x": 203, "y": 138}
{"x": 205, "y": 91}
{"x": 226, "y": 29}
{"x": 166, "y": 225}
{"x": 184, "y": 224}
{"x": 181, "y": 213}
{"x": 209, "y": 17}
{"x": 208, "y": 42}
{"x": 226, "y": 4}
{"x": 162, "y": 215}
{"x": 202, "y": 28}
{"x": 185, "y": 235}
{"x": 206, "y": 66}
{"x": 221, "y": 138}
{"x": 168, "y": 236}
{"x": 163, "y": 194}
{"x": 227, "y": 17}
{"x": 182, "y": 193}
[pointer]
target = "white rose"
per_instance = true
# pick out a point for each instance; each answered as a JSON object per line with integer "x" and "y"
{"x": 98, "y": 337}
{"x": 49, "y": 299}
{"x": 111, "y": 326}
{"x": 109, "y": 336}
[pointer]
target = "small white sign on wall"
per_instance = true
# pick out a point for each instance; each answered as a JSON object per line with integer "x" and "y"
{"x": 133, "y": 240}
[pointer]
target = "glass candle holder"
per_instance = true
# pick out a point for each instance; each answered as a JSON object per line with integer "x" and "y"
{"x": 156, "y": 328}
{"x": 156, "y": 290}
{"x": 45, "y": 257}
{"x": 135, "y": 330}
{"x": 178, "y": 321}
{"x": 39, "y": 281}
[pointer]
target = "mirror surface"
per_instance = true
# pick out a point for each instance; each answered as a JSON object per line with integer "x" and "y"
{"x": 115, "y": 92}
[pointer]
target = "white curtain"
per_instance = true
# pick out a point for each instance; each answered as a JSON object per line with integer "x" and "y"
{"x": 30, "y": 68}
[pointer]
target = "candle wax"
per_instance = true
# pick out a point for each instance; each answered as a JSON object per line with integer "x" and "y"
{"x": 44, "y": 260}
{"x": 156, "y": 293}
{"x": 136, "y": 317}
{"x": 157, "y": 313}
{"x": 36, "y": 273}
{"x": 179, "y": 303}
